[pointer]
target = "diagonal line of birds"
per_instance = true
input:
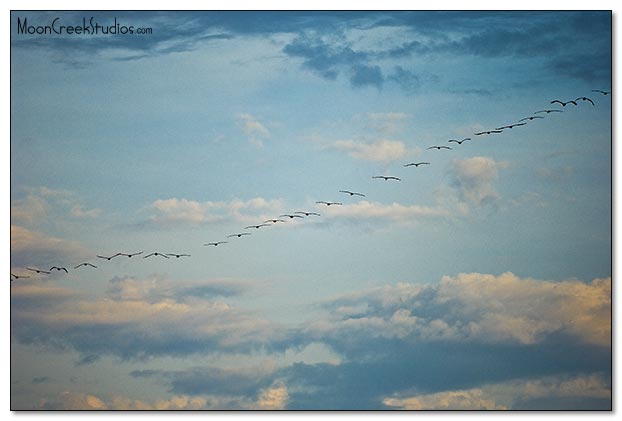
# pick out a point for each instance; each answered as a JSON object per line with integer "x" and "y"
{"x": 537, "y": 115}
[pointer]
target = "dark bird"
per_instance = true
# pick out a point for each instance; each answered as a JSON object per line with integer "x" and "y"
{"x": 291, "y": 216}
{"x": 308, "y": 213}
{"x": 274, "y": 221}
{"x": 387, "y": 177}
{"x": 416, "y": 164}
{"x": 352, "y": 193}
{"x": 131, "y": 254}
{"x": 19, "y": 276}
{"x": 156, "y": 254}
{"x": 488, "y": 132}
{"x": 239, "y": 235}
{"x": 602, "y": 92}
{"x": 531, "y": 118}
{"x": 439, "y": 147}
{"x": 178, "y": 255}
{"x": 510, "y": 126}
{"x": 584, "y": 98}
{"x": 257, "y": 226}
{"x": 216, "y": 243}
{"x": 459, "y": 142}
{"x": 549, "y": 111}
{"x": 329, "y": 203}
{"x": 39, "y": 271}
{"x": 85, "y": 264}
{"x": 58, "y": 269}
{"x": 563, "y": 104}
{"x": 108, "y": 258}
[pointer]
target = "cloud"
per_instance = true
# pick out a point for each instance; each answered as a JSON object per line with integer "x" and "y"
{"x": 394, "y": 212}
{"x": 273, "y": 398}
{"x": 179, "y": 212}
{"x": 386, "y": 123}
{"x": 42, "y": 203}
{"x": 366, "y": 75}
{"x": 79, "y": 212}
{"x": 29, "y": 210}
{"x": 253, "y": 128}
{"x": 378, "y": 151}
{"x": 32, "y": 248}
{"x": 473, "y": 179}
{"x": 514, "y": 394}
{"x": 76, "y": 401}
{"x": 135, "y": 321}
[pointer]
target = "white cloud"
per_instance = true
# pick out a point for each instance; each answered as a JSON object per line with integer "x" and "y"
{"x": 378, "y": 151}
{"x": 29, "y": 210}
{"x": 386, "y": 123}
{"x": 393, "y": 212}
{"x": 253, "y": 128}
{"x": 475, "y": 307}
{"x": 506, "y": 395}
{"x": 75, "y": 401}
{"x": 79, "y": 212}
{"x": 169, "y": 212}
{"x": 474, "y": 179}
{"x": 273, "y": 398}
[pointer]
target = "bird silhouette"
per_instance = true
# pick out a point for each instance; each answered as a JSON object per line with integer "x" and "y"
{"x": 19, "y": 276}
{"x": 329, "y": 203}
{"x": 85, "y": 264}
{"x": 156, "y": 254}
{"x": 488, "y": 132}
{"x": 108, "y": 258}
{"x": 177, "y": 255}
{"x": 416, "y": 164}
{"x": 290, "y": 216}
{"x": 563, "y": 104}
{"x": 216, "y": 243}
{"x": 39, "y": 271}
{"x": 602, "y": 92}
{"x": 548, "y": 111}
{"x": 131, "y": 254}
{"x": 352, "y": 193}
{"x": 531, "y": 117}
{"x": 459, "y": 142}
{"x": 439, "y": 147}
{"x": 274, "y": 221}
{"x": 387, "y": 177}
{"x": 58, "y": 269}
{"x": 584, "y": 98}
{"x": 308, "y": 213}
{"x": 510, "y": 126}
{"x": 239, "y": 234}
{"x": 257, "y": 226}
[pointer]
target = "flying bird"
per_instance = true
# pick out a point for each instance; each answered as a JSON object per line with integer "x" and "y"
{"x": 416, "y": 164}
{"x": 108, "y": 258}
{"x": 216, "y": 243}
{"x": 549, "y": 111}
{"x": 563, "y": 104}
{"x": 329, "y": 203}
{"x": 291, "y": 216}
{"x": 387, "y": 177}
{"x": 131, "y": 254}
{"x": 156, "y": 254}
{"x": 459, "y": 142}
{"x": 257, "y": 226}
{"x": 352, "y": 193}
{"x": 85, "y": 264}
{"x": 19, "y": 276}
{"x": 39, "y": 271}
{"x": 274, "y": 221}
{"x": 531, "y": 118}
{"x": 488, "y": 132}
{"x": 602, "y": 92}
{"x": 308, "y": 213}
{"x": 239, "y": 234}
{"x": 510, "y": 126}
{"x": 584, "y": 98}
{"x": 439, "y": 147}
{"x": 178, "y": 255}
{"x": 58, "y": 269}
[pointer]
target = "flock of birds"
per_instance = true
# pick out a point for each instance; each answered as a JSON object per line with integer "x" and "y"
{"x": 304, "y": 214}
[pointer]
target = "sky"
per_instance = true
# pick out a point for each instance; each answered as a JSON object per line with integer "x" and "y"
{"x": 481, "y": 280}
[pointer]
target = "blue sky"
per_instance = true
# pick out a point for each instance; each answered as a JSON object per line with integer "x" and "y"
{"x": 458, "y": 285}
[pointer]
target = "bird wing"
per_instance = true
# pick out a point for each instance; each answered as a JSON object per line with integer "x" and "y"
{"x": 557, "y": 100}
